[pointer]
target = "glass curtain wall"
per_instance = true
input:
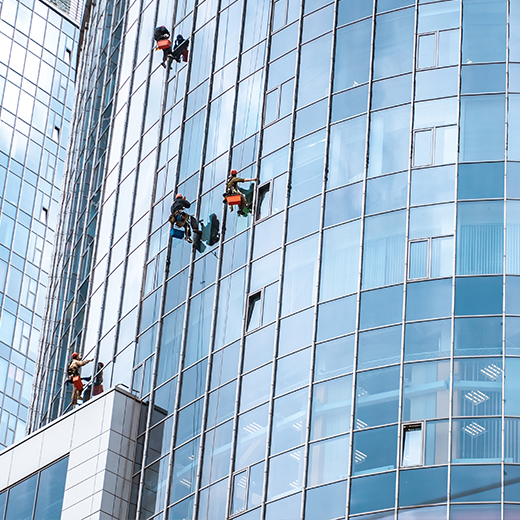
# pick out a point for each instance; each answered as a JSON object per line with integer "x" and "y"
{"x": 352, "y": 342}
{"x": 37, "y": 72}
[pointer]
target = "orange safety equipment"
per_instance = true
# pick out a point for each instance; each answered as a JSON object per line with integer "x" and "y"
{"x": 234, "y": 200}
{"x": 233, "y": 172}
{"x": 75, "y": 355}
{"x": 164, "y": 44}
{"x": 76, "y": 381}
{"x": 178, "y": 196}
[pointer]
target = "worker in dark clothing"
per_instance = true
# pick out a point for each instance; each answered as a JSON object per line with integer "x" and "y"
{"x": 162, "y": 37}
{"x": 74, "y": 371}
{"x": 179, "y": 218}
{"x": 233, "y": 189}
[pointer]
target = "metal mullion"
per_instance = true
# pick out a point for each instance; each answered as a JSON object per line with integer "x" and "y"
{"x": 400, "y": 430}
{"x": 282, "y": 252}
{"x": 319, "y": 261}
{"x": 218, "y": 281}
{"x": 162, "y": 304}
{"x": 455, "y": 238}
{"x": 252, "y": 229}
{"x": 504, "y": 265}
{"x": 360, "y": 264}
{"x": 190, "y": 266}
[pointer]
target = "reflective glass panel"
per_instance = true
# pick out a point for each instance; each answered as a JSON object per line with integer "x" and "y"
{"x": 375, "y": 450}
{"x": 328, "y": 460}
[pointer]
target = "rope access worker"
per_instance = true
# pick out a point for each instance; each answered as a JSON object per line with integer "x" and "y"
{"x": 179, "y": 218}
{"x": 162, "y": 37}
{"x": 74, "y": 371}
{"x": 232, "y": 189}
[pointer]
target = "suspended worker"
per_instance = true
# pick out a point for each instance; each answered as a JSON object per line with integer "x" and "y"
{"x": 74, "y": 372}
{"x": 179, "y": 218}
{"x": 233, "y": 189}
{"x": 162, "y": 37}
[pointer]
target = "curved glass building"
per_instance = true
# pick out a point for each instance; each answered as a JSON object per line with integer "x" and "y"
{"x": 351, "y": 348}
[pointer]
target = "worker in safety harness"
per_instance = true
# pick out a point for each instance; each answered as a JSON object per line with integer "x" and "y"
{"x": 73, "y": 371}
{"x": 162, "y": 37}
{"x": 232, "y": 189}
{"x": 179, "y": 218}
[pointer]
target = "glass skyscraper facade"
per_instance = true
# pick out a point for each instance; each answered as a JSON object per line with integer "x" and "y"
{"x": 37, "y": 64}
{"x": 351, "y": 348}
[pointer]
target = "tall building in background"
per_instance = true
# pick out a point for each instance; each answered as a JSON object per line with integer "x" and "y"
{"x": 37, "y": 66}
{"x": 351, "y": 349}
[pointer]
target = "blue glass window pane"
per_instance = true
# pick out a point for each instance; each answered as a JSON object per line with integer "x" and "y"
{"x": 484, "y": 31}
{"x": 318, "y": 23}
{"x": 199, "y": 326}
{"x": 255, "y": 387}
{"x": 436, "y": 83}
{"x": 334, "y": 496}
{"x": 513, "y": 336}
{"x": 184, "y": 473}
{"x": 434, "y": 17}
{"x": 482, "y": 128}
{"x": 480, "y": 237}
{"x": 379, "y": 347}
{"x": 431, "y": 339}
{"x": 343, "y": 204}
{"x": 258, "y": 348}
{"x": 478, "y": 387}
{"x": 394, "y": 43}
{"x": 477, "y": 336}
{"x": 423, "y": 486}
{"x": 190, "y": 421}
{"x": 194, "y": 382}
{"x": 381, "y": 307}
{"x": 315, "y": 65}
{"x": 225, "y": 365}
{"x": 312, "y": 118}
{"x": 292, "y": 371}
{"x": 349, "y": 103}
{"x": 433, "y": 185}
{"x": 423, "y": 513}
{"x": 377, "y": 397}
{"x": 512, "y": 387}
{"x": 340, "y": 260}
{"x": 430, "y": 299}
{"x": 512, "y": 295}
{"x": 483, "y": 78}
{"x": 384, "y": 249}
{"x": 387, "y": 193}
{"x": 328, "y": 460}
{"x": 221, "y": 404}
{"x": 352, "y": 57}
{"x": 475, "y": 483}
{"x": 375, "y": 450}
{"x": 481, "y": 181}
{"x": 363, "y": 498}
{"x": 513, "y": 128}
{"x": 511, "y": 442}
{"x": 334, "y": 358}
{"x": 426, "y": 391}
{"x": 252, "y": 431}
{"x": 286, "y": 509}
{"x": 437, "y": 443}
{"x": 513, "y": 237}
{"x": 303, "y": 219}
{"x": 285, "y": 474}
{"x": 478, "y": 295}
{"x": 488, "y": 511}
{"x": 389, "y": 141}
{"x": 351, "y": 10}
{"x": 512, "y": 483}
{"x": 50, "y": 491}
{"x": 418, "y": 260}
{"x": 337, "y": 318}
{"x": 296, "y": 332}
{"x": 432, "y": 221}
{"x": 21, "y": 500}
{"x": 347, "y": 152}
{"x": 289, "y": 418}
{"x": 387, "y": 5}
{"x": 307, "y": 176}
{"x": 390, "y": 92}
{"x": 217, "y": 451}
{"x": 331, "y": 405}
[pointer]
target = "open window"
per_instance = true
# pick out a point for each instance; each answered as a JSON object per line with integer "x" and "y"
{"x": 247, "y": 488}
{"x": 261, "y": 308}
{"x": 264, "y": 201}
{"x": 413, "y": 445}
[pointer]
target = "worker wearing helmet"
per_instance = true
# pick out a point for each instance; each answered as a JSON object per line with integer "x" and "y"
{"x": 179, "y": 218}
{"x": 74, "y": 370}
{"x": 232, "y": 189}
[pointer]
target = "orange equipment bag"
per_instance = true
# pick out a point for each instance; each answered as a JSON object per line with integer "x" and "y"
{"x": 234, "y": 200}
{"x": 76, "y": 381}
{"x": 164, "y": 44}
